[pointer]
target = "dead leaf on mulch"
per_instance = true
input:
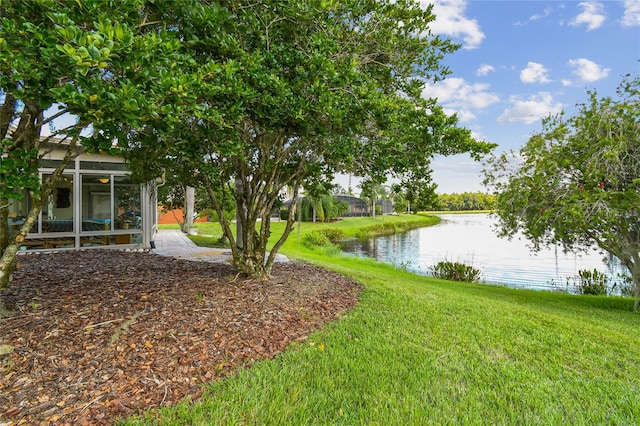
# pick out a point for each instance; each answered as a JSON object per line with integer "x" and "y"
{"x": 101, "y": 334}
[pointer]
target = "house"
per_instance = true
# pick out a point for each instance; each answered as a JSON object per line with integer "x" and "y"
{"x": 95, "y": 204}
{"x": 384, "y": 206}
{"x": 357, "y": 206}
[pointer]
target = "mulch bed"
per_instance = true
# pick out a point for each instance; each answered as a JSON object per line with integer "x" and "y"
{"x": 100, "y": 335}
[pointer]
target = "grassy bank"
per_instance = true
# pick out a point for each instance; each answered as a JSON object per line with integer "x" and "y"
{"x": 364, "y": 227}
{"x": 417, "y": 350}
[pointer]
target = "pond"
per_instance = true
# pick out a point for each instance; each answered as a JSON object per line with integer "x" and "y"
{"x": 471, "y": 239}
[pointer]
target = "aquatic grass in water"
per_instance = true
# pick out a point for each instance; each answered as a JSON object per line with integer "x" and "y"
{"x": 455, "y": 271}
{"x": 594, "y": 282}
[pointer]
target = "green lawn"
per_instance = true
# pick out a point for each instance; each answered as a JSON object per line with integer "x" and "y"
{"x": 417, "y": 350}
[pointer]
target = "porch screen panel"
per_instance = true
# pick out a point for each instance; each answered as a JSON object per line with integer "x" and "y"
{"x": 127, "y": 206}
{"x": 96, "y": 202}
{"x": 57, "y": 211}
{"x": 18, "y": 211}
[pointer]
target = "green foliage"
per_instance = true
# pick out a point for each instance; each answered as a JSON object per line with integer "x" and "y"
{"x": 323, "y": 237}
{"x": 334, "y": 235}
{"x": 378, "y": 230}
{"x": 591, "y": 282}
{"x": 421, "y": 195}
{"x": 100, "y": 63}
{"x": 465, "y": 201}
{"x": 315, "y": 239}
{"x": 326, "y": 208}
{"x": 209, "y": 213}
{"x": 455, "y": 271}
{"x": 289, "y": 93}
{"x": 600, "y": 284}
{"x": 576, "y": 182}
{"x": 625, "y": 284}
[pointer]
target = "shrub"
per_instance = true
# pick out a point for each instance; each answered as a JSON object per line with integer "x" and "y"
{"x": 591, "y": 282}
{"x": 334, "y": 235}
{"x": 455, "y": 271}
{"x": 315, "y": 239}
{"x": 599, "y": 284}
{"x": 626, "y": 285}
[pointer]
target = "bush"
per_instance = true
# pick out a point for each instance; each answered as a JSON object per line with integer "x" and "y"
{"x": 594, "y": 283}
{"x": 597, "y": 283}
{"x": 379, "y": 230}
{"x": 315, "y": 239}
{"x": 323, "y": 237}
{"x": 334, "y": 235}
{"x": 455, "y": 271}
{"x": 626, "y": 285}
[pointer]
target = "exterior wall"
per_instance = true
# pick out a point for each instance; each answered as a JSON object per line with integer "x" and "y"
{"x": 175, "y": 216}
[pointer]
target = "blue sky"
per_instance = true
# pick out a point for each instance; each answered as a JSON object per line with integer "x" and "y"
{"x": 523, "y": 60}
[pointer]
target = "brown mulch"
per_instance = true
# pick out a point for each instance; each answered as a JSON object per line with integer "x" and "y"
{"x": 100, "y": 335}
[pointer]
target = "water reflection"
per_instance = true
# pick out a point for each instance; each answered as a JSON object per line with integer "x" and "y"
{"x": 470, "y": 238}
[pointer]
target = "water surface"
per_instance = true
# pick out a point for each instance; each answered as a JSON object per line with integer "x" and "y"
{"x": 471, "y": 239}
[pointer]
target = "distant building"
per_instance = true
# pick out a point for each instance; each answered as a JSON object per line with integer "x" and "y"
{"x": 357, "y": 206}
{"x": 386, "y": 206}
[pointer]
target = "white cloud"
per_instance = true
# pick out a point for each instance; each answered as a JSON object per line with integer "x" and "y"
{"x": 592, "y": 15}
{"x": 566, "y": 82}
{"x": 631, "y": 17}
{"x": 546, "y": 13}
{"x": 465, "y": 116}
{"x": 457, "y": 93}
{"x": 452, "y": 22}
{"x": 530, "y": 110}
{"x": 534, "y": 73}
{"x": 588, "y": 71}
{"x": 485, "y": 69}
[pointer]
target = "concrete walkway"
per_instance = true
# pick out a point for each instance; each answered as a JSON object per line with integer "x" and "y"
{"x": 173, "y": 242}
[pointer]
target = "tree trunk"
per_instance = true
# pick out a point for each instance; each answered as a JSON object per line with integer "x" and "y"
{"x": 5, "y": 231}
{"x": 635, "y": 276}
{"x": 8, "y": 259}
{"x": 8, "y": 264}
{"x": 240, "y": 212}
{"x": 189, "y": 201}
{"x": 287, "y": 230}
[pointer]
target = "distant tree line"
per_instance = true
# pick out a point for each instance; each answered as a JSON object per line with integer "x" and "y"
{"x": 465, "y": 201}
